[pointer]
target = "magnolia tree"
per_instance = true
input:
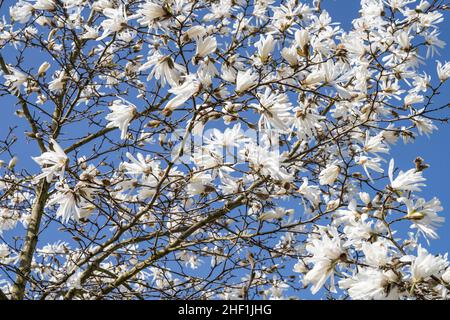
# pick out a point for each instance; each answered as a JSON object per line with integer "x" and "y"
{"x": 226, "y": 149}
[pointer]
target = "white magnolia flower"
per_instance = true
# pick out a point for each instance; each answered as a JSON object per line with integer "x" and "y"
{"x": 275, "y": 110}
{"x": 302, "y": 40}
{"x": 53, "y": 163}
{"x": 182, "y": 93}
{"x": 205, "y": 46}
{"x": 117, "y": 18}
{"x": 311, "y": 193}
{"x": 424, "y": 215}
{"x": 326, "y": 253}
{"x": 150, "y": 13}
{"x": 57, "y": 84}
{"x": 8, "y": 219}
{"x": 329, "y": 175}
{"x": 276, "y": 213}
{"x": 15, "y": 79}
{"x": 21, "y": 11}
{"x": 410, "y": 180}
{"x": 369, "y": 163}
{"x": 290, "y": 55}
{"x": 163, "y": 69}
{"x": 371, "y": 284}
{"x": 426, "y": 265}
{"x": 245, "y": 80}
{"x": 140, "y": 166}
{"x": 73, "y": 203}
{"x": 265, "y": 47}
{"x": 43, "y": 68}
{"x": 375, "y": 144}
{"x": 198, "y": 183}
{"x": 443, "y": 71}
{"x": 376, "y": 253}
{"x": 121, "y": 116}
{"x": 48, "y": 5}
{"x": 90, "y": 32}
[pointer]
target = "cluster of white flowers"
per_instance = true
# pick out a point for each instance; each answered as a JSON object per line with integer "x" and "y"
{"x": 248, "y": 138}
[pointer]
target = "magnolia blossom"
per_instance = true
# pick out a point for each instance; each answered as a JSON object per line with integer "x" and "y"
{"x": 15, "y": 79}
{"x": 329, "y": 174}
{"x": 369, "y": 284}
{"x": 182, "y": 93}
{"x": 121, "y": 116}
{"x": 53, "y": 163}
{"x": 116, "y": 20}
{"x": 326, "y": 253}
{"x": 44, "y": 5}
{"x": 253, "y": 137}
{"x": 163, "y": 68}
{"x": 277, "y": 213}
{"x": 424, "y": 215}
{"x": 151, "y": 12}
{"x": 205, "y": 46}
{"x": 265, "y": 47}
{"x": 245, "y": 80}
{"x": 73, "y": 203}
{"x": 426, "y": 265}
{"x": 443, "y": 71}
{"x": 410, "y": 180}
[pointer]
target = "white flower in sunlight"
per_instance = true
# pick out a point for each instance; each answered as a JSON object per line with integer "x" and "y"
{"x": 8, "y": 219}
{"x": 199, "y": 183}
{"x": 290, "y": 55}
{"x": 163, "y": 68}
{"x": 275, "y": 110}
{"x": 182, "y": 93}
{"x": 140, "y": 166}
{"x": 229, "y": 138}
{"x": 302, "y": 40}
{"x": 21, "y": 11}
{"x": 15, "y": 79}
{"x": 265, "y": 47}
{"x": 245, "y": 80}
{"x": 205, "y": 46}
{"x": 426, "y": 265}
{"x": 424, "y": 215}
{"x": 276, "y": 213}
{"x": 73, "y": 203}
{"x": 370, "y": 283}
{"x": 443, "y": 71}
{"x": 150, "y": 12}
{"x": 326, "y": 254}
{"x": 57, "y": 84}
{"x": 190, "y": 259}
{"x": 375, "y": 144}
{"x": 329, "y": 175}
{"x": 90, "y": 32}
{"x": 311, "y": 193}
{"x": 410, "y": 180}
{"x": 117, "y": 19}
{"x": 53, "y": 163}
{"x": 48, "y": 5}
{"x": 376, "y": 253}
{"x": 121, "y": 116}
{"x": 4, "y": 252}
{"x": 43, "y": 68}
{"x": 423, "y": 125}
{"x": 369, "y": 163}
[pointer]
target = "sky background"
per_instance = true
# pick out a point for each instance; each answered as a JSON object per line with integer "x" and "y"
{"x": 434, "y": 150}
